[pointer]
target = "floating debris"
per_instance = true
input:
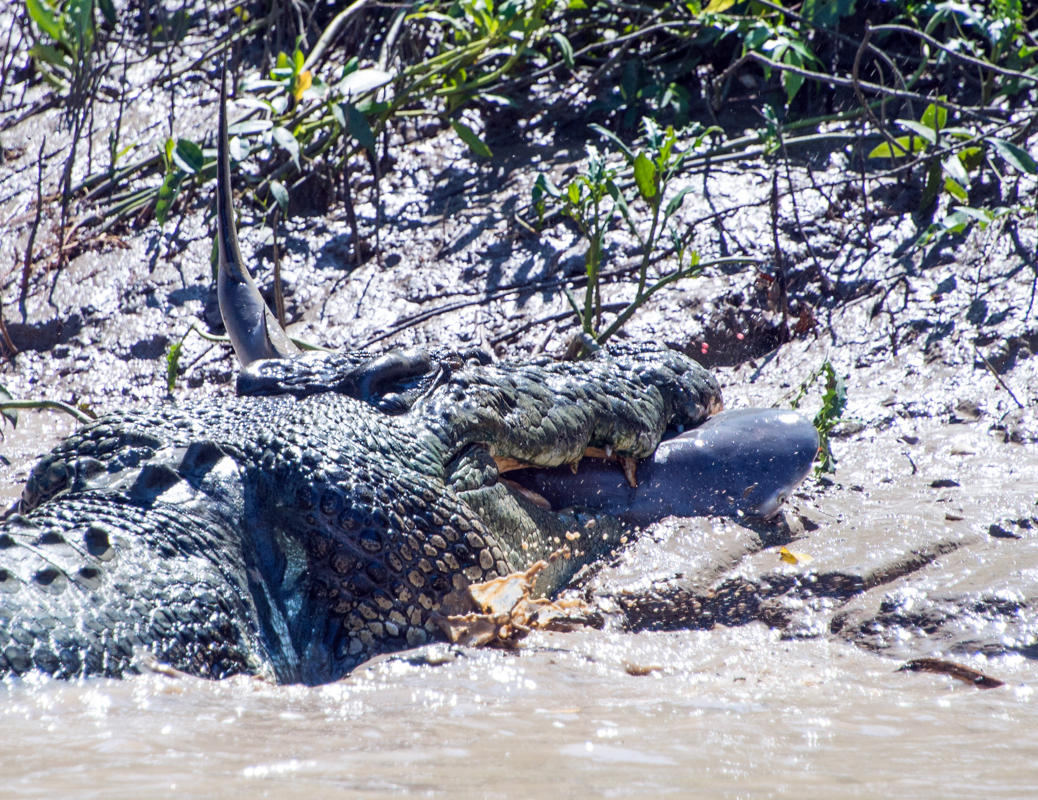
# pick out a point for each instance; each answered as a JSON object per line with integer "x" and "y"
{"x": 958, "y": 671}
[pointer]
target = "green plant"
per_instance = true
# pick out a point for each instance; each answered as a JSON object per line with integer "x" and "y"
{"x": 7, "y": 415}
{"x": 762, "y": 30}
{"x": 951, "y": 155}
{"x": 483, "y": 41}
{"x": 176, "y": 349}
{"x": 304, "y": 117}
{"x": 834, "y": 403}
{"x": 9, "y": 408}
{"x": 592, "y": 199}
{"x": 182, "y": 158}
{"x": 439, "y": 58}
{"x": 66, "y": 36}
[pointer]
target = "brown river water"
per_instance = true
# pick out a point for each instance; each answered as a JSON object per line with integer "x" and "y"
{"x": 728, "y": 713}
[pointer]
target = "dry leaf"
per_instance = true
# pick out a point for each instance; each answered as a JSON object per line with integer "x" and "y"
{"x": 794, "y": 558}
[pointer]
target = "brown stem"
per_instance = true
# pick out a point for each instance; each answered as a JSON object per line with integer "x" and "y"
{"x": 23, "y": 289}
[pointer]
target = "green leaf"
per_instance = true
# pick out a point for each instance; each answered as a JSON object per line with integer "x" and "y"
{"x": 645, "y": 176}
{"x": 608, "y": 134}
{"x": 935, "y": 117}
{"x": 981, "y": 215}
{"x": 802, "y": 53}
{"x": 834, "y": 402}
{"x": 120, "y": 153}
{"x": 498, "y": 100}
{"x": 1015, "y": 156}
{"x": 359, "y": 128}
{"x": 757, "y": 37}
{"x": 669, "y": 140}
{"x": 257, "y": 85}
{"x": 188, "y": 156}
{"x": 298, "y": 59}
{"x": 172, "y": 364}
{"x": 544, "y": 186}
{"x": 971, "y": 157}
{"x": 10, "y": 414}
{"x": 280, "y": 193}
{"x": 46, "y": 20}
{"x": 362, "y": 81}
{"x": 167, "y": 194}
{"x": 565, "y": 48}
{"x": 621, "y": 203}
{"x": 340, "y": 117}
{"x": 573, "y": 193}
{"x": 826, "y": 12}
{"x": 902, "y": 146}
{"x": 792, "y": 83}
{"x": 718, "y": 6}
{"x": 81, "y": 12}
{"x": 249, "y": 127}
{"x": 469, "y": 137}
{"x": 955, "y": 190}
{"x": 884, "y": 150}
{"x": 956, "y": 222}
{"x": 926, "y": 132}
{"x": 372, "y": 107}
{"x": 934, "y": 176}
{"x": 239, "y": 148}
{"x": 676, "y": 201}
{"x": 954, "y": 169}
{"x": 287, "y": 142}
{"x": 108, "y": 11}
{"x": 49, "y": 54}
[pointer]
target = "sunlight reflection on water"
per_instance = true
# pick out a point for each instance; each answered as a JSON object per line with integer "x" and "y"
{"x": 729, "y": 713}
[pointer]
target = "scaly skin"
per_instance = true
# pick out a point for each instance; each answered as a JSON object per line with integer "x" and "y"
{"x": 316, "y": 519}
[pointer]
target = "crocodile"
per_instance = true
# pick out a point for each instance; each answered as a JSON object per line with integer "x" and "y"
{"x": 322, "y": 514}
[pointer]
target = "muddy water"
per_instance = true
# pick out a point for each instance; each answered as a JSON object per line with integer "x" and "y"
{"x": 21, "y": 446}
{"x": 728, "y": 713}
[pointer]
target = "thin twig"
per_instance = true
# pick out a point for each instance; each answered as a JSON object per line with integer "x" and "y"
{"x": 958, "y": 54}
{"x": 279, "y": 296}
{"x": 23, "y": 288}
{"x": 330, "y": 32}
{"x": 55, "y": 405}
{"x": 998, "y": 377}
{"x": 977, "y": 112}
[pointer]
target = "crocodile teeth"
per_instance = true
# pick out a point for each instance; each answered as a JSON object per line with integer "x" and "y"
{"x": 630, "y": 467}
{"x": 535, "y": 498}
